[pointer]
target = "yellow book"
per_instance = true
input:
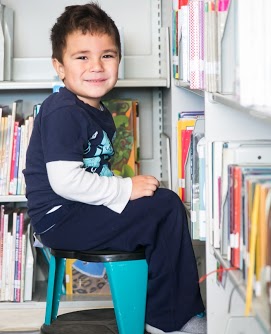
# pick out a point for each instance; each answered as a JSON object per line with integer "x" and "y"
{"x": 261, "y": 239}
{"x": 252, "y": 248}
{"x": 69, "y": 263}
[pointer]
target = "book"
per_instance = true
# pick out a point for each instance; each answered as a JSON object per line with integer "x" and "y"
{"x": 14, "y": 180}
{"x": 262, "y": 240}
{"x": 197, "y": 134}
{"x": 268, "y": 250}
{"x": 166, "y": 158}
{"x": 186, "y": 157}
{"x": 252, "y": 249}
{"x": 201, "y": 148}
{"x": 183, "y": 19}
{"x": 123, "y": 162}
{"x": 29, "y": 265}
{"x": 224, "y": 154}
{"x": 19, "y": 268}
{"x": 22, "y": 286}
{"x": 196, "y": 44}
{"x": 86, "y": 278}
{"x": 5, "y": 154}
{"x": 12, "y": 188}
{"x": 227, "y": 44}
{"x": 7, "y": 280}
{"x": 217, "y": 156}
{"x": 183, "y": 123}
{"x": 2, "y": 211}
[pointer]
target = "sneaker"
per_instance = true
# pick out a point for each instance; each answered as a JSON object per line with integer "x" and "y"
{"x": 153, "y": 330}
{"x": 196, "y": 325}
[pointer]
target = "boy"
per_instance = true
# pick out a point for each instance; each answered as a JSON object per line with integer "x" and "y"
{"x": 75, "y": 201}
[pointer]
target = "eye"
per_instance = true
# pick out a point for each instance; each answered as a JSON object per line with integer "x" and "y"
{"x": 82, "y": 57}
{"x": 109, "y": 55}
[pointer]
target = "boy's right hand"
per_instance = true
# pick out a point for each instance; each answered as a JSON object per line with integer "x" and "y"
{"x": 143, "y": 185}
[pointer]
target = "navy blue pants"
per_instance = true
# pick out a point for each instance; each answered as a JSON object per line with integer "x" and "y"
{"x": 159, "y": 223}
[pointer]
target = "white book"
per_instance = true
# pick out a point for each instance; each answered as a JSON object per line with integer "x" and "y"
{"x": 184, "y": 43}
{"x": 217, "y": 174}
{"x": 6, "y": 156}
{"x": 8, "y": 266}
{"x": 202, "y": 186}
{"x": 29, "y": 267}
{"x": 4, "y": 263}
{"x": 23, "y": 267}
{"x": 12, "y": 271}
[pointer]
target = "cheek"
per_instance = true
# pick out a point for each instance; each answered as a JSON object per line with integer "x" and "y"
{"x": 114, "y": 71}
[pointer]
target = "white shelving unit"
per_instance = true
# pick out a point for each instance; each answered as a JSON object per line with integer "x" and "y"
{"x": 146, "y": 61}
{"x": 225, "y": 120}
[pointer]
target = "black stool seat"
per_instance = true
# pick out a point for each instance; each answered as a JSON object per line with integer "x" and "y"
{"x": 100, "y": 255}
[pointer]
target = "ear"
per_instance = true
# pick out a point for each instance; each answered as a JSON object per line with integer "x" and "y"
{"x": 59, "y": 68}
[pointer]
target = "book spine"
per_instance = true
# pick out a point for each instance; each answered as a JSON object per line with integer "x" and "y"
{"x": 22, "y": 287}
{"x": 5, "y": 262}
{"x": 16, "y": 266}
{"x": 18, "y": 290}
{"x": 1, "y": 243}
{"x": 13, "y": 159}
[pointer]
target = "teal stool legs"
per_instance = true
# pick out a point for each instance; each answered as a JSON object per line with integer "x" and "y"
{"x": 55, "y": 281}
{"x": 128, "y": 285}
{"x": 127, "y": 275}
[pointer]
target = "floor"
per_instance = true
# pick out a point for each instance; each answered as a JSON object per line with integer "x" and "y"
{"x": 20, "y": 332}
{"x": 98, "y": 321}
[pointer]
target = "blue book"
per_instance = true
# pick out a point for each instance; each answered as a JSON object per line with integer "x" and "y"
{"x": 93, "y": 269}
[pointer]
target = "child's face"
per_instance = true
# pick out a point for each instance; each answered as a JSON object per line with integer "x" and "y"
{"x": 90, "y": 66}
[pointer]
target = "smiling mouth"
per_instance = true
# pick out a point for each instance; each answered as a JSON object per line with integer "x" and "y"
{"x": 95, "y": 80}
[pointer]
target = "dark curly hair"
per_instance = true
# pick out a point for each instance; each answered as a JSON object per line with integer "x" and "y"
{"x": 85, "y": 18}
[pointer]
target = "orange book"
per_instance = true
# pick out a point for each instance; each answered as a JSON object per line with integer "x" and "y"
{"x": 183, "y": 124}
{"x": 186, "y": 141}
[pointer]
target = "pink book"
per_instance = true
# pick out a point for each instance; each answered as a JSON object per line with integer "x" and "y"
{"x": 13, "y": 159}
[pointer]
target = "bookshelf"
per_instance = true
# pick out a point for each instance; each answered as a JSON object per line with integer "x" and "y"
{"x": 229, "y": 115}
{"x": 146, "y": 67}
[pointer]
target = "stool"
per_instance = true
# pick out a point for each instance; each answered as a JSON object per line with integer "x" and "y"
{"x": 127, "y": 275}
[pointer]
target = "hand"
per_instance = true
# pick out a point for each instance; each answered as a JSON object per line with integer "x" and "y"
{"x": 143, "y": 185}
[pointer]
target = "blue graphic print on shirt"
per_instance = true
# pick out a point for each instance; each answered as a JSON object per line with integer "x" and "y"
{"x": 97, "y": 154}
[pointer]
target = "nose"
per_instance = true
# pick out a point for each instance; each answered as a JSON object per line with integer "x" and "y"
{"x": 95, "y": 65}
